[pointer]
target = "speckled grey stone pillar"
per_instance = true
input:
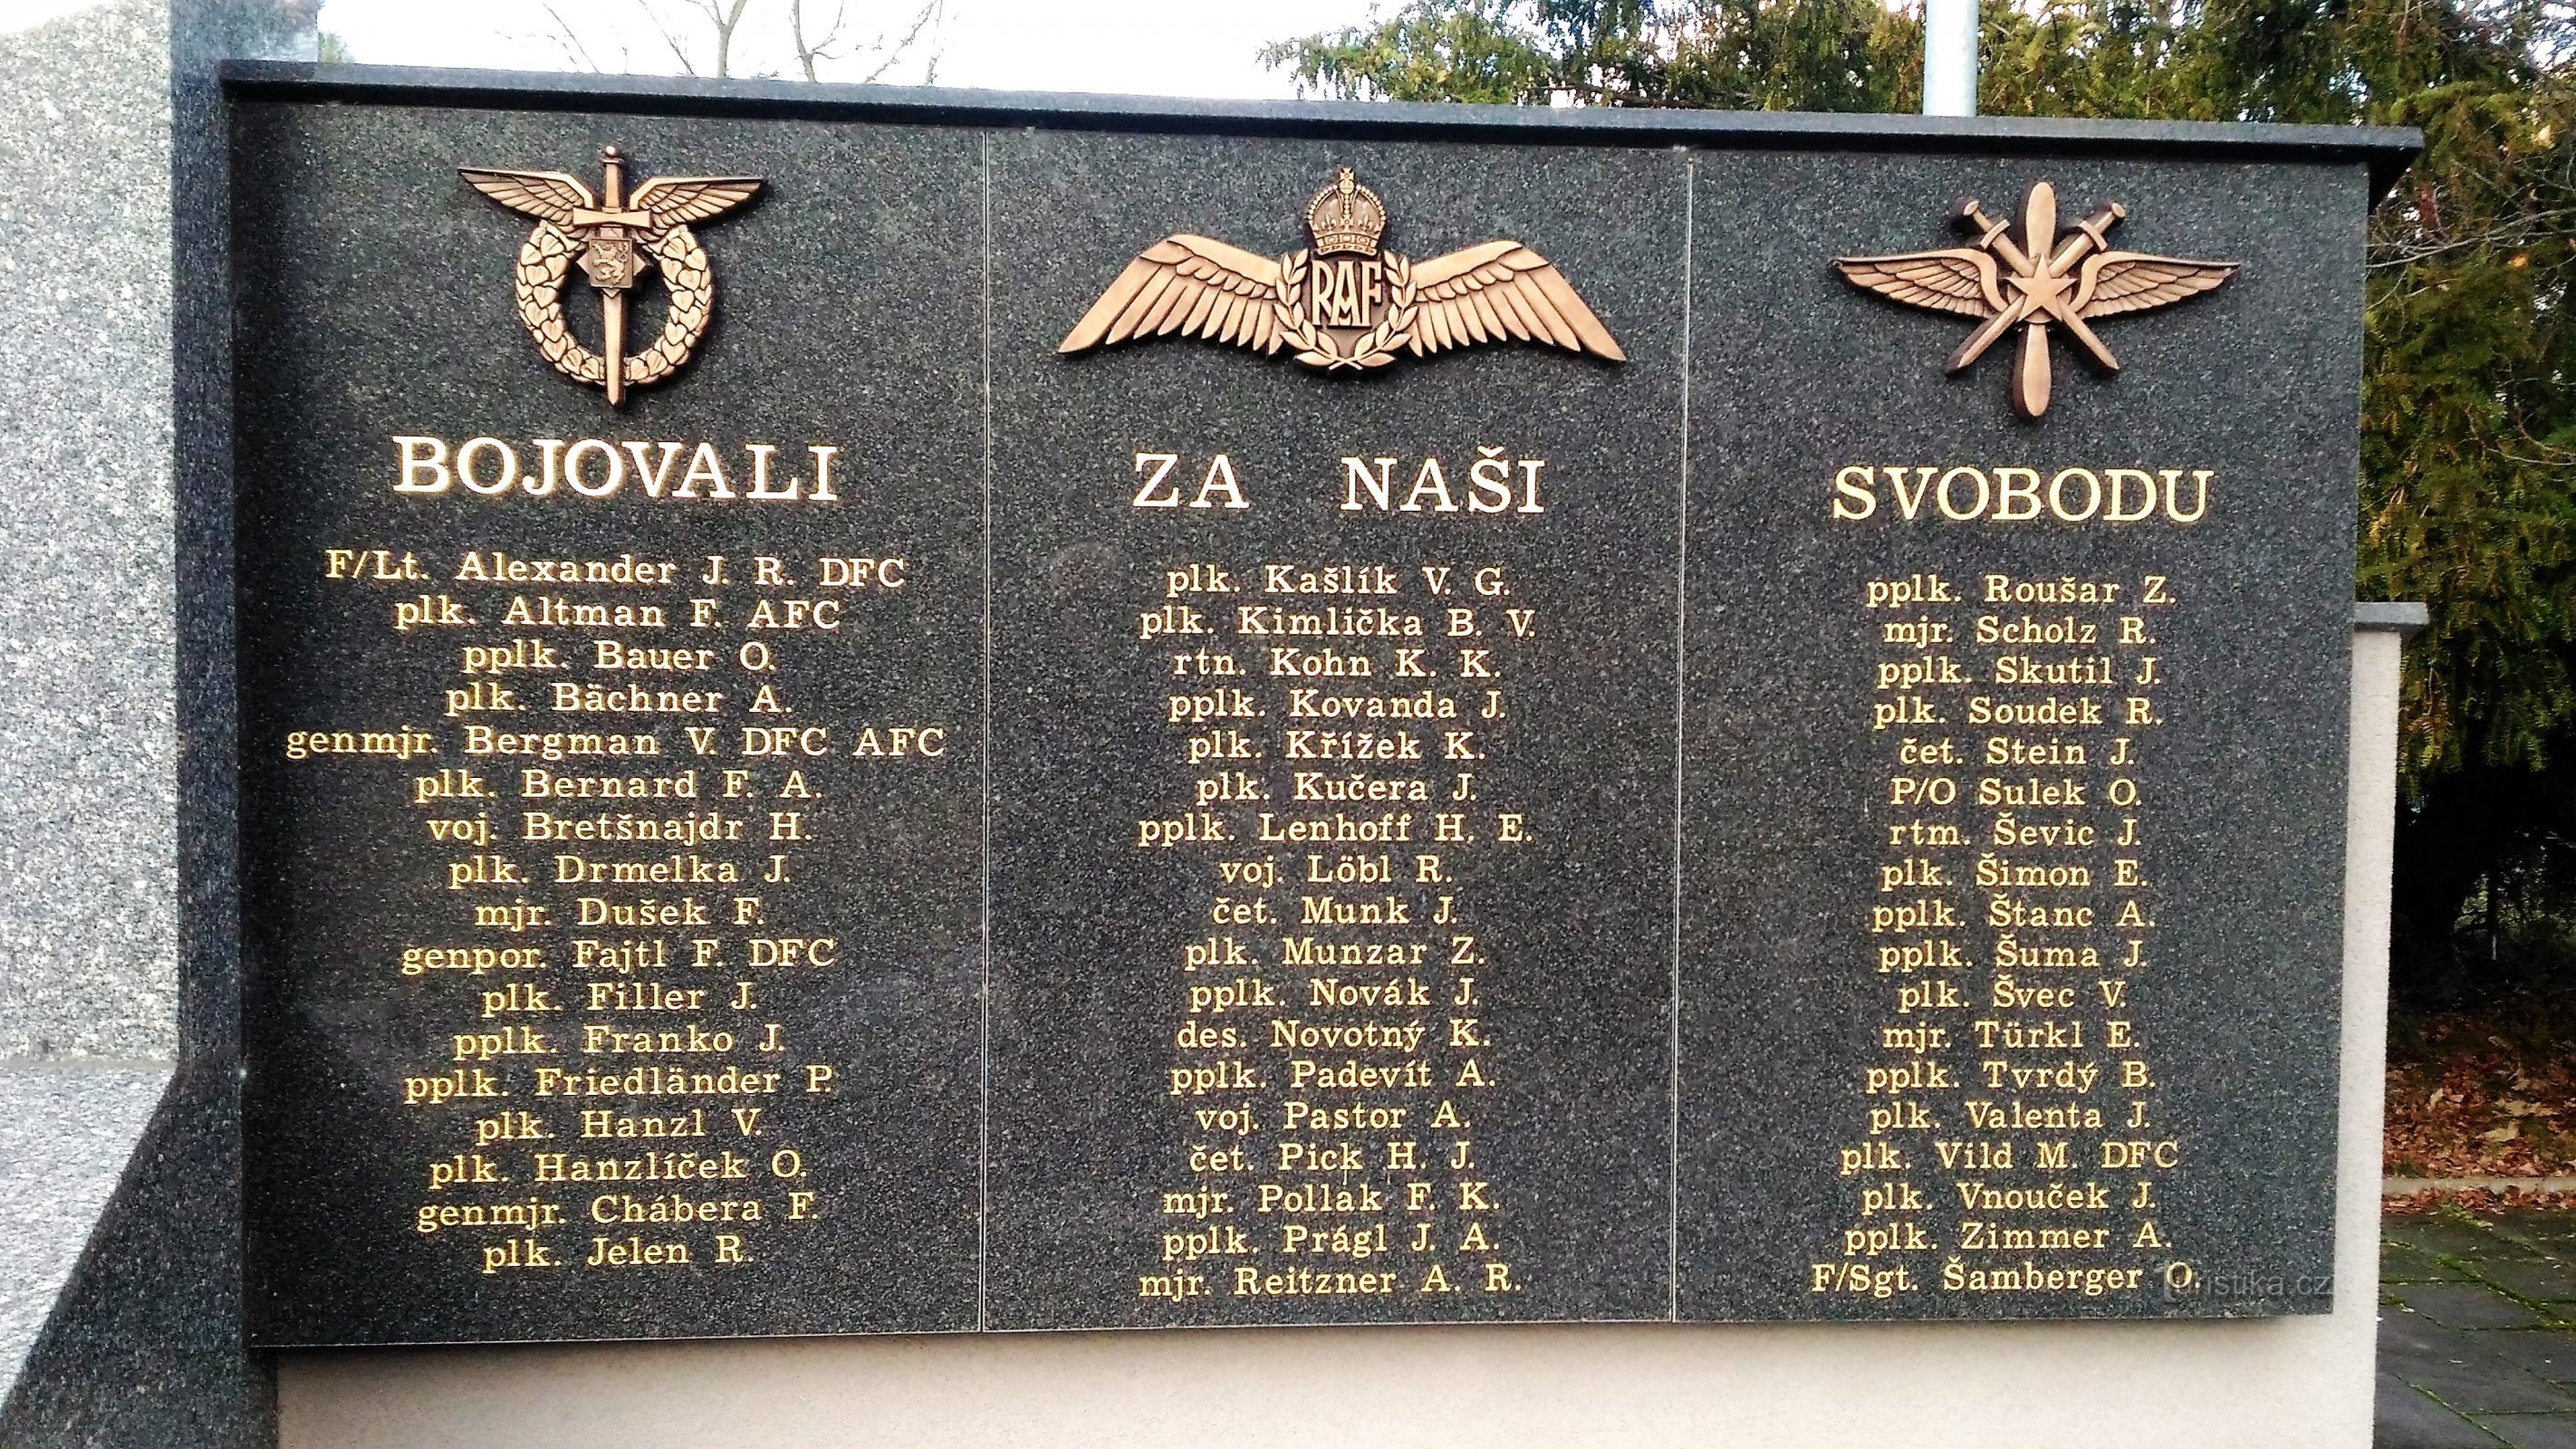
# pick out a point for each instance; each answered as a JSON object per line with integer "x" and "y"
{"x": 88, "y": 920}
{"x": 119, "y": 1273}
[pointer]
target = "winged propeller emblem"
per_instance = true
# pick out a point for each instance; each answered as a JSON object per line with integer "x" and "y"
{"x": 615, "y": 238}
{"x": 1344, "y": 303}
{"x": 2046, "y": 279}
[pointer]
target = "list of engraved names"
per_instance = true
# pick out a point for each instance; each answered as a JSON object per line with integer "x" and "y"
{"x": 1323, "y": 860}
{"x": 1329, "y": 722}
{"x": 2006, "y": 1137}
{"x": 610, "y": 917}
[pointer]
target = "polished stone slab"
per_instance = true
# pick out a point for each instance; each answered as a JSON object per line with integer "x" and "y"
{"x": 1515, "y": 1166}
{"x": 1192, "y": 992}
{"x": 2134, "y": 905}
{"x": 378, "y": 302}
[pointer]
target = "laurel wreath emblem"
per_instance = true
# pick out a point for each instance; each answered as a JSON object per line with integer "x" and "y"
{"x": 1316, "y": 347}
{"x": 547, "y": 257}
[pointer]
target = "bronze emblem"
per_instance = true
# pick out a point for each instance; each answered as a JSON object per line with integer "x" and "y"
{"x": 1344, "y": 303}
{"x": 616, "y": 238}
{"x": 2033, "y": 288}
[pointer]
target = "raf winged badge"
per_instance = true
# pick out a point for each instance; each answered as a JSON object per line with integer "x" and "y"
{"x": 615, "y": 238}
{"x": 1344, "y": 303}
{"x": 2044, "y": 280}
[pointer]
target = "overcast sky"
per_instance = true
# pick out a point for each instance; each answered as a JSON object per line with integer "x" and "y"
{"x": 1149, "y": 47}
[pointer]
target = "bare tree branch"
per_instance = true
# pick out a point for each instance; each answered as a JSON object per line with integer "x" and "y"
{"x": 568, "y": 40}
{"x": 725, "y": 22}
{"x": 678, "y": 51}
{"x": 738, "y": 34}
{"x": 927, "y": 17}
{"x": 888, "y": 47}
{"x": 810, "y": 55}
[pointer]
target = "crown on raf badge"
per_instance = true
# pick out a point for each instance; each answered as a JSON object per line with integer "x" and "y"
{"x": 1345, "y": 218}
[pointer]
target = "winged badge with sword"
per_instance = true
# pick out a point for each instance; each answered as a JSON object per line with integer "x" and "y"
{"x": 2044, "y": 280}
{"x": 615, "y": 238}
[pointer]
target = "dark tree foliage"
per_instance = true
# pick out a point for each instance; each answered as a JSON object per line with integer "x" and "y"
{"x": 2467, "y": 498}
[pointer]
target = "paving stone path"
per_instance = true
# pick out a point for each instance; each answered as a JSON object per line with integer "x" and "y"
{"x": 2477, "y": 1332}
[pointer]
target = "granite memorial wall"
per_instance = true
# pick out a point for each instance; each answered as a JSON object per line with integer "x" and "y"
{"x": 888, "y": 715}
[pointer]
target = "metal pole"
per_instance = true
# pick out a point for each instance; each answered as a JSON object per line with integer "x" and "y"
{"x": 1949, "y": 57}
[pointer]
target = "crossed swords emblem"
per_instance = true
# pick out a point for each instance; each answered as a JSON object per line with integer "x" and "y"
{"x": 2048, "y": 278}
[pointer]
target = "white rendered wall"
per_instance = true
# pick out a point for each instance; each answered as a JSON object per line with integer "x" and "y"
{"x": 2263, "y": 1384}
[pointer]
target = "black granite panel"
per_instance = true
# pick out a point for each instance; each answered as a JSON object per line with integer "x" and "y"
{"x": 1854, "y": 1142}
{"x": 1186, "y": 1117}
{"x": 1188, "y": 939}
{"x": 376, "y": 300}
